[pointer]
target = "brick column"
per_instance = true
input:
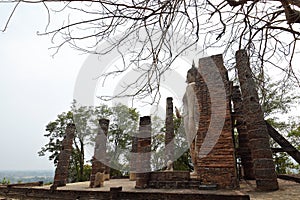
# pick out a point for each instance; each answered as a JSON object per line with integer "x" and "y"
{"x": 133, "y": 158}
{"x": 264, "y": 168}
{"x": 243, "y": 148}
{"x": 169, "y": 135}
{"x": 143, "y": 167}
{"x": 100, "y": 152}
{"x": 61, "y": 172}
{"x": 216, "y": 164}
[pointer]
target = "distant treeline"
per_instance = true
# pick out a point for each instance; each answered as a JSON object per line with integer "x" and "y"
{"x": 10, "y": 176}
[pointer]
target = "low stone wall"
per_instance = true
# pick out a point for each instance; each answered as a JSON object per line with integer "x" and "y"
{"x": 191, "y": 184}
{"x": 170, "y": 176}
{"x": 172, "y": 180}
{"x": 115, "y": 193}
{"x": 290, "y": 177}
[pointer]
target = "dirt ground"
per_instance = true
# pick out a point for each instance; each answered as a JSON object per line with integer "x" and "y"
{"x": 288, "y": 190}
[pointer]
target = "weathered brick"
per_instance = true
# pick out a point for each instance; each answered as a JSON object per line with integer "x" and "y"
{"x": 100, "y": 152}
{"x": 61, "y": 171}
{"x": 257, "y": 130}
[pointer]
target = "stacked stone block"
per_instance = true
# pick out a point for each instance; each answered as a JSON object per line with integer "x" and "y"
{"x": 264, "y": 168}
{"x": 215, "y": 164}
{"x": 61, "y": 172}
{"x": 143, "y": 167}
{"x": 100, "y": 152}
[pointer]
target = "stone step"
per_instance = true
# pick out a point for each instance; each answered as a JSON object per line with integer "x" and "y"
{"x": 174, "y": 184}
{"x": 208, "y": 187}
{"x": 170, "y": 176}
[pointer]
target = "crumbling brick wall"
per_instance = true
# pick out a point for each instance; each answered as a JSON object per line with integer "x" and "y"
{"x": 143, "y": 167}
{"x": 61, "y": 171}
{"x": 215, "y": 164}
{"x": 264, "y": 168}
{"x": 243, "y": 140}
{"x": 100, "y": 152}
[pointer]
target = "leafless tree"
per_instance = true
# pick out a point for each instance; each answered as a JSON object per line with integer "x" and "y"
{"x": 268, "y": 29}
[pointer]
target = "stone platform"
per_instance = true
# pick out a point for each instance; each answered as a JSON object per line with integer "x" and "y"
{"x": 288, "y": 190}
{"x": 116, "y": 189}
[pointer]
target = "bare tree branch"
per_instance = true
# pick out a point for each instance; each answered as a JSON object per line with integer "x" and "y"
{"x": 256, "y": 25}
{"x": 10, "y": 17}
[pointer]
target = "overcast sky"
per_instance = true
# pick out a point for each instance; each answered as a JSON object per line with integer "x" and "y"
{"x": 34, "y": 87}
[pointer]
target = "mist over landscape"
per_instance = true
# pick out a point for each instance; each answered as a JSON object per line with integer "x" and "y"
{"x": 26, "y": 176}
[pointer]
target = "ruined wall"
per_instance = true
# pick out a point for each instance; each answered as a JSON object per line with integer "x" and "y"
{"x": 243, "y": 140}
{"x": 143, "y": 167}
{"x": 61, "y": 171}
{"x": 264, "y": 168}
{"x": 215, "y": 164}
{"x": 100, "y": 152}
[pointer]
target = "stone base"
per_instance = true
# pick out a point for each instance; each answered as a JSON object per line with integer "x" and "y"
{"x": 208, "y": 187}
{"x": 172, "y": 180}
{"x": 174, "y": 184}
{"x": 106, "y": 177}
{"x": 224, "y": 178}
{"x": 170, "y": 176}
{"x": 195, "y": 176}
{"x": 142, "y": 180}
{"x": 132, "y": 176}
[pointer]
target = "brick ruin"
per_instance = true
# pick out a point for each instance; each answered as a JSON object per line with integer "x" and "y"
{"x": 100, "y": 153}
{"x": 215, "y": 161}
{"x": 213, "y": 109}
{"x": 263, "y": 165}
{"x": 243, "y": 140}
{"x": 142, "y": 163}
{"x": 61, "y": 171}
{"x": 212, "y": 95}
